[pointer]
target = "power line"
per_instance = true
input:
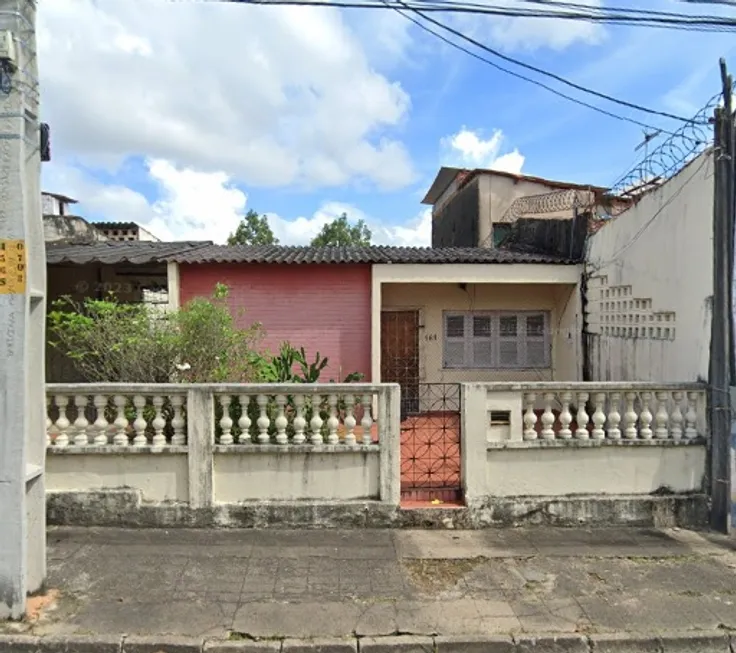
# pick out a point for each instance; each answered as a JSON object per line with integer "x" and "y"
{"x": 541, "y": 71}
{"x": 443, "y": 7}
{"x": 524, "y": 77}
{"x": 666, "y": 20}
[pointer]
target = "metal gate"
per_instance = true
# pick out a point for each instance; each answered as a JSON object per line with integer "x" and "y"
{"x": 430, "y": 443}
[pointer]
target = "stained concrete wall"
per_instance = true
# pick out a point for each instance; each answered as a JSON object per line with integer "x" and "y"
{"x": 296, "y": 476}
{"x": 609, "y": 469}
{"x": 160, "y": 477}
{"x": 650, "y": 284}
{"x": 274, "y": 475}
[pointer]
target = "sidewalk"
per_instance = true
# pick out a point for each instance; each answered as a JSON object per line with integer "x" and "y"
{"x": 585, "y": 587}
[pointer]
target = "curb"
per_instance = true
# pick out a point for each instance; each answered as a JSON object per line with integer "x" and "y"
{"x": 675, "y": 642}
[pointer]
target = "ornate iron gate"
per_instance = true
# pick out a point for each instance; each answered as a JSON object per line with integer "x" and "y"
{"x": 430, "y": 443}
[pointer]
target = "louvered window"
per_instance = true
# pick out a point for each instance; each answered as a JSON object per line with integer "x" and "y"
{"x": 486, "y": 340}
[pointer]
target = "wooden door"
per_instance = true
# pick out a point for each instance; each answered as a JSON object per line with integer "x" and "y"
{"x": 400, "y": 355}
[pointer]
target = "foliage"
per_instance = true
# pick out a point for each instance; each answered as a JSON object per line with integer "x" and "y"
{"x": 340, "y": 233}
{"x": 109, "y": 341}
{"x": 213, "y": 348}
{"x": 253, "y": 230}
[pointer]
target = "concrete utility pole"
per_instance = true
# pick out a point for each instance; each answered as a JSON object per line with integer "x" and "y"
{"x": 722, "y": 320}
{"x": 22, "y": 315}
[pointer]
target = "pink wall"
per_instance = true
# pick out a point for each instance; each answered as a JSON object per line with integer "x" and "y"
{"x": 325, "y": 308}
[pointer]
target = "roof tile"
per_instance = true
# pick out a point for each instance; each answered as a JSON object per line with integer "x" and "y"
{"x": 371, "y": 254}
{"x": 108, "y": 252}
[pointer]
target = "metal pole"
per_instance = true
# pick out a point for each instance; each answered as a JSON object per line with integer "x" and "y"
{"x": 22, "y": 320}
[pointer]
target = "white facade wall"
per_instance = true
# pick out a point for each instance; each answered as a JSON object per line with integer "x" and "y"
{"x": 650, "y": 284}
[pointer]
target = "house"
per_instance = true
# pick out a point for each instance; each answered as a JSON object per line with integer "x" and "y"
{"x": 475, "y": 208}
{"x": 411, "y": 316}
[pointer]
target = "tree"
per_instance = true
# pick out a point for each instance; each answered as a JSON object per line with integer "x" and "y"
{"x": 253, "y": 230}
{"x": 340, "y": 233}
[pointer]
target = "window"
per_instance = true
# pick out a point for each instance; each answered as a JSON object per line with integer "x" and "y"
{"x": 485, "y": 339}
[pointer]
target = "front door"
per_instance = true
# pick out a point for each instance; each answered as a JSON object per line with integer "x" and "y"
{"x": 400, "y": 355}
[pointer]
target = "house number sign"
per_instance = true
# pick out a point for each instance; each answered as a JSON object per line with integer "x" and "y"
{"x": 12, "y": 267}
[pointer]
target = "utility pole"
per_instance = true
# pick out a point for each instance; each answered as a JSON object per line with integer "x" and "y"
{"x": 22, "y": 315}
{"x": 722, "y": 320}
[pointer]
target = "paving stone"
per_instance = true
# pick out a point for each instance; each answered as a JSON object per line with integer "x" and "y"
{"x": 461, "y": 617}
{"x": 187, "y": 618}
{"x": 242, "y": 646}
{"x": 379, "y": 619}
{"x": 474, "y": 644}
{"x": 625, "y": 643}
{"x": 297, "y": 620}
{"x": 551, "y": 644}
{"x": 158, "y": 644}
{"x": 305, "y": 584}
{"x": 80, "y": 644}
{"x": 713, "y": 642}
{"x": 401, "y": 644}
{"x": 320, "y": 645}
{"x": 19, "y": 643}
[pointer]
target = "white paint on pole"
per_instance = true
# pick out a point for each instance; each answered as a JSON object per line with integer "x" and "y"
{"x": 22, "y": 322}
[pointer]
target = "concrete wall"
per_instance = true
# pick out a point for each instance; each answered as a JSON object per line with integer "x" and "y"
{"x": 254, "y": 475}
{"x": 296, "y": 476}
{"x": 431, "y": 299}
{"x": 508, "y": 475}
{"x": 69, "y": 228}
{"x": 609, "y": 470}
{"x": 323, "y": 308}
{"x": 650, "y": 283}
{"x": 163, "y": 477}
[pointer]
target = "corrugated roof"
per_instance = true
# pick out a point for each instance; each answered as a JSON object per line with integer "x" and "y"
{"x": 373, "y": 254}
{"x": 137, "y": 252}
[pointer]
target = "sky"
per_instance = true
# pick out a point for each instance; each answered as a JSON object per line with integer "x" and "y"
{"x": 183, "y": 115}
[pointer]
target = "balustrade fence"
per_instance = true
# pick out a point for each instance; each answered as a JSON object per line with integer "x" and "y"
{"x": 631, "y": 412}
{"x": 156, "y": 416}
{"x": 217, "y": 446}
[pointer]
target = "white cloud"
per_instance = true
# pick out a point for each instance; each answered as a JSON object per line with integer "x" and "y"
{"x": 273, "y": 96}
{"x": 528, "y": 34}
{"x": 468, "y": 149}
{"x": 195, "y": 205}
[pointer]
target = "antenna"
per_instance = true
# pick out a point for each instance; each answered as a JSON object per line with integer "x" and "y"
{"x": 645, "y": 143}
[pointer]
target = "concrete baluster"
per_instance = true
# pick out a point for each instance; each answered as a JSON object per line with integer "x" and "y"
{"x": 226, "y": 422}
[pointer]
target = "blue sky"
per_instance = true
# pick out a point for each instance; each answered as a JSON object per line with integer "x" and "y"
{"x": 182, "y": 116}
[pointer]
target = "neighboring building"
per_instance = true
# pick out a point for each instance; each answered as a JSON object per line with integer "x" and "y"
{"x": 55, "y": 204}
{"x": 125, "y": 231}
{"x": 474, "y": 208}
{"x": 60, "y": 225}
{"x": 411, "y": 316}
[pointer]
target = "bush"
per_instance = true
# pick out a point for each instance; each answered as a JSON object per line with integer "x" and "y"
{"x": 109, "y": 341}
